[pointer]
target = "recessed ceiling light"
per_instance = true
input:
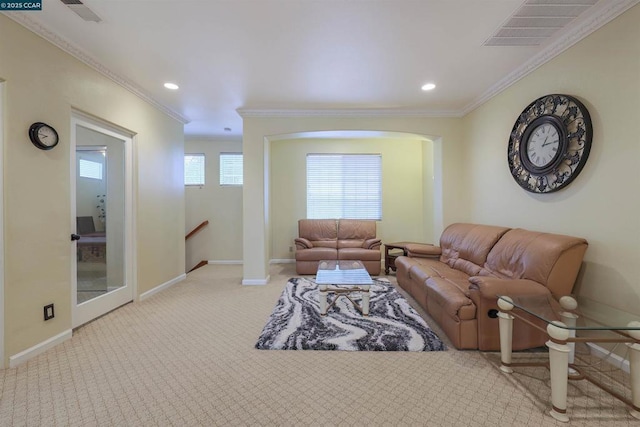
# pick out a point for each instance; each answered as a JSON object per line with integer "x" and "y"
{"x": 171, "y": 86}
{"x": 429, "y": 86}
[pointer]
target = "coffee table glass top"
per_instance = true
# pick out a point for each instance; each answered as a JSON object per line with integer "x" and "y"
{"x": 591, "y": 315}
{"x": 342, "y": 272}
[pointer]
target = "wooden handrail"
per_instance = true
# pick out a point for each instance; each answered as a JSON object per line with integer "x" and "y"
{"x": 195, "y": 230}
{"x": 200, "y": 264}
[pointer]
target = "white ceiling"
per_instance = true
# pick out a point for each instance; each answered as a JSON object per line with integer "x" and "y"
{"x": 369, "y": 56}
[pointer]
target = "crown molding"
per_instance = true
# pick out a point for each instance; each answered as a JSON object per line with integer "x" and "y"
{"x": 244, "y": 113}
{"x": 79, "y": 54}
{"x": 602, "y": 17}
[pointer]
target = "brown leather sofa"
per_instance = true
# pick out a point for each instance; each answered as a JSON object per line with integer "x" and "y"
{"x": 334, "y": 239}
{"x": 458, "y": 281}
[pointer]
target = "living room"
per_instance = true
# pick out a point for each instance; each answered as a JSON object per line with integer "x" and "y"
{"x": 466, "y": 156}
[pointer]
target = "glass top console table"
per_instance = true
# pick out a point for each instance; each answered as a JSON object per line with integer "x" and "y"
{"x": 568, "y": 321}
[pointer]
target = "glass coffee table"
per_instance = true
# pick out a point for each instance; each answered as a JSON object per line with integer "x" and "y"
{"x": 568, "y": 321}
{"x": 343, "y": 278}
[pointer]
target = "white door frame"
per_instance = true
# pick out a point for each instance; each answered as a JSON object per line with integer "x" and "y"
{"x": 82, "y": 314}
{"x": 2, "y": 365}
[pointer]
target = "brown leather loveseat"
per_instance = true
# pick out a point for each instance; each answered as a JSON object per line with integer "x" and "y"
{"x": 458, "y": 281}
{"x": 333, "y": 239}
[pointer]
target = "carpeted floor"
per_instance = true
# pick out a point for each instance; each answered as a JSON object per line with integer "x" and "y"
{"x": 186, "y": 357}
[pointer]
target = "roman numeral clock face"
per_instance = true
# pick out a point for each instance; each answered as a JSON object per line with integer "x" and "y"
{"x": 549, "y": 143}
{"x": 543, "y": 145}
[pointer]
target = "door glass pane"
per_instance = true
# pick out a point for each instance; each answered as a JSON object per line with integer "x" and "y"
{"x": 99, "y": 214}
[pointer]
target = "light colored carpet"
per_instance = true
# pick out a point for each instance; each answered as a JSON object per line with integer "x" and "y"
{"x": 185, "y": 357}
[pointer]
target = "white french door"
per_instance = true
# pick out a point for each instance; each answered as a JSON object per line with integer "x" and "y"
{"x": 101, "y": 208}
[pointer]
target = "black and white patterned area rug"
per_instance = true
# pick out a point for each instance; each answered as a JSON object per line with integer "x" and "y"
{"x": 392, "y": 324}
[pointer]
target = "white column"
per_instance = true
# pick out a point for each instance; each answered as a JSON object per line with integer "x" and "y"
{"x": 505, "y": 323}
{"x": 558, "y": 365}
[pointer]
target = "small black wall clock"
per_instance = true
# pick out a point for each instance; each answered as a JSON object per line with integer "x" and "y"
{"x": 43, "y": 136}
{"x": 549, "y": 143}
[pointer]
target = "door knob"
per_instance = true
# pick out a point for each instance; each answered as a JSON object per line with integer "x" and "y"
{"x": 75, "y": 237}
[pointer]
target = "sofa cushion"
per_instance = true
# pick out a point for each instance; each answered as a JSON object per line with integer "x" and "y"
{"x": 352, "y": 233}
{"x": 449, "y": 296}
{"x": 524, "y": 254}
{"x": 316, "y": 254}
{"x": 465, "y": 246}
{"x": 319, "y": 230}
{"x": 432, "y": 267}
{"x": 359, "y": 254}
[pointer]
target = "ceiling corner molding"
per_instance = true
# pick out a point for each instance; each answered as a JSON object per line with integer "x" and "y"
{"x": 604, "y": 16}
{"x": 362, "y": 113}
{"x": 79, "y": 54}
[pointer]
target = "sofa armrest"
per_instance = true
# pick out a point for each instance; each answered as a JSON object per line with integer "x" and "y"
{"x": 302, "y": 243}
{"x": 484, "y": 291}
{"x": 420, "y": 250}
{"x": 491, "y": 287}
{"x": 371, "y": 243}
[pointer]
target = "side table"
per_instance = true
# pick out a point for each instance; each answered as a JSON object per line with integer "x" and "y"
{"x": 390, "y": 257}
{"x": 567, "y": 325}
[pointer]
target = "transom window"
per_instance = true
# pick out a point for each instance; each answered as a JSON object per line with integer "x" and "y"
{"x": 344, "y": 186}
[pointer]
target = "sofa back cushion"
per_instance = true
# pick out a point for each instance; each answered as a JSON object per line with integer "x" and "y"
{"x": 465, "y": 246}
{"x": 353, "y": 232}
{"x": 320, "y": 232}
{"x": 550, "y": 259}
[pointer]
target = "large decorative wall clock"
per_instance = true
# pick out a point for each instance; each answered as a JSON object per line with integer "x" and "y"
{"x": 549, "y": 143}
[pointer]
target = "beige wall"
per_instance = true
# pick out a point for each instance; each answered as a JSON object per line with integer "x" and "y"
{"x": 43, "y": 84}
{"x": 403, "y": 215}
{"x": 603, "y": 202}
{"x": 221, "y": 240}
{"x": 261, "y": 133}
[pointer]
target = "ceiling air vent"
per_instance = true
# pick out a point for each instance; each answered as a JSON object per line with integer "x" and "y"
{"x": 81, "y": 10}
{"x": 537, "y": 20}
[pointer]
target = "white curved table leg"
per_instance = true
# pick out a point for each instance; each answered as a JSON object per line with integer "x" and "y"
{"x": 505, "y": 324}
{"x": 634, "y": 362}
{"x": 322, "y": 299}
{"x": 366, "y": 295}
{"x": 558, "y": 365}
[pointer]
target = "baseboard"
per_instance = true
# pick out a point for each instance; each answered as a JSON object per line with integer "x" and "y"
{"x": 23, "y": 356}
{"x": 256, "y": 282}
{"x": 226, "y": 262}
{"x": 611, "y": 358}
{"x": 282, "y": 261}
{"x": 162, "y": 287}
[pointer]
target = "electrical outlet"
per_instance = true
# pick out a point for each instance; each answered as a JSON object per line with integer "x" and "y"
{"x": 290, "y": 248}
{"x": 48, "y": 312}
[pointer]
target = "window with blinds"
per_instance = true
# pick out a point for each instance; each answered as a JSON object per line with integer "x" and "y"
{"x": 194, "y": 169}
{"x": 344, "y": 186}
{"x": 90, "y": 169}
{"x": 231, "y": 168}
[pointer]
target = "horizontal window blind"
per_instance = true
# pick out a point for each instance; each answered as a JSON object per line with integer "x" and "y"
{"x": 194, "y": 169}
{"x": 344, "y": 186}
{"x": 90, "y": 169}
{"x": 231, "y": 169}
